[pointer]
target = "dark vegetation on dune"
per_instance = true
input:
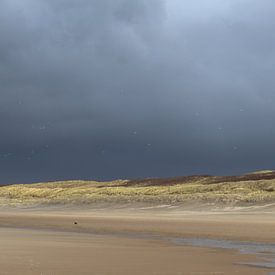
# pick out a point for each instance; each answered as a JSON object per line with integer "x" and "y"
{"x": 189, "y": 179}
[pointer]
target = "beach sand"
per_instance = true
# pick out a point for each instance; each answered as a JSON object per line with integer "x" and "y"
{"x": 109, "y": 241}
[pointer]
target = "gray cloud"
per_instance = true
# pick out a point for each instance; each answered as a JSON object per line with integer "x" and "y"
{"x": 107, "y": 89}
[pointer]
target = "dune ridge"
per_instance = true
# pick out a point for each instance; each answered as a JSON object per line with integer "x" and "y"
{"x": 248, "y": 189}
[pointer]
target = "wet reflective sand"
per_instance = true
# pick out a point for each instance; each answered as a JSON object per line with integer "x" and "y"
{"x": 135, "y": 242}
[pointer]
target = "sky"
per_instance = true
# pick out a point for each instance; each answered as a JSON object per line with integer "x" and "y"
{"x": 108, "y": 89}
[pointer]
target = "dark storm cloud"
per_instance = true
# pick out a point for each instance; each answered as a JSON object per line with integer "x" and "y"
{"x": 118, "y": 88}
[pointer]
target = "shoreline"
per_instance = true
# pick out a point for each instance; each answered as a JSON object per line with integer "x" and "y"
{"x": 43, "y": 252}
{"x": 132, "y": 232}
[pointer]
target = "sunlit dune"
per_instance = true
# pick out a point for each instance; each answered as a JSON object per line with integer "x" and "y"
{"x": 247, "y": 189}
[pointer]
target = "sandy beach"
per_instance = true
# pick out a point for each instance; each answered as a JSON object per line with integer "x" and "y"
{"x": 121, "y": 241}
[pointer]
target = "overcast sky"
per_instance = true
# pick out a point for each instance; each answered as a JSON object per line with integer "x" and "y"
{"x": 103, "y": 89}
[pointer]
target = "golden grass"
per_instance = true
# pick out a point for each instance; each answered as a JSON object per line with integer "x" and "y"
{"x": 200, "y": 189}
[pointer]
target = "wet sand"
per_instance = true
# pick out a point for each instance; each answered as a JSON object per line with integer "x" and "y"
{"x": 108, "y": 241}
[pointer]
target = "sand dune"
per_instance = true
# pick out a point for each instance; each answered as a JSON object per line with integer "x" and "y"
{"x": 249, "y": 189}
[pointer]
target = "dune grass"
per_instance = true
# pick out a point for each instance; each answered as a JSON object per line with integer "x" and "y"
{"x": 198, "y": 189}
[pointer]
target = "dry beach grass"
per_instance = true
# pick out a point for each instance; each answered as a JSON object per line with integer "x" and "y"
{"x": 254, "y": 188}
